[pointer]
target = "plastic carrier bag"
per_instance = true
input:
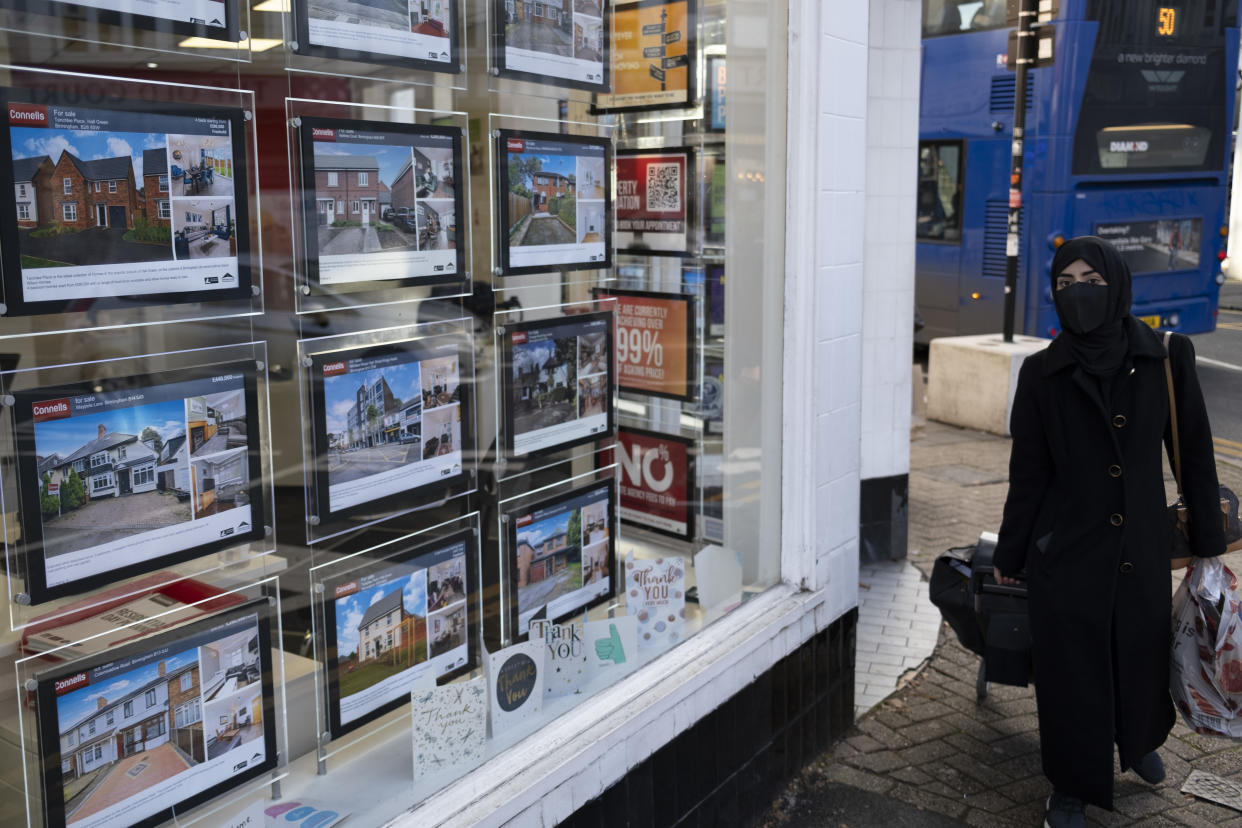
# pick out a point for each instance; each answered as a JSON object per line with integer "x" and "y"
{"x": 1205, "y": 659}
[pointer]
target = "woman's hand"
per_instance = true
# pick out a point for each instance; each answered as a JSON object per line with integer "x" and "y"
{"x": 1004, "y": 580}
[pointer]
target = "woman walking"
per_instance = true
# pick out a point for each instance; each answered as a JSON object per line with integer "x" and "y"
{"x": 1085, "y": 518}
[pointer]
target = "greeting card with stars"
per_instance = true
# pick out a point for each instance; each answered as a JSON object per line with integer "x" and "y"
{"x": 564, "y": 660}
{"x": 450, "y": 725}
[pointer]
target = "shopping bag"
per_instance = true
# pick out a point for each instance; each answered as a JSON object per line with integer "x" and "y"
{"x": 1205, "y": 659}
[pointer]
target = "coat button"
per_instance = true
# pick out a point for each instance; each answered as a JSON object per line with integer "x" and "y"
{"x": 1114, "y": 471}
{"x": 1116, "y": 519}
{"x": 1127, "y": 566}
{"x": 1119, "y": 421}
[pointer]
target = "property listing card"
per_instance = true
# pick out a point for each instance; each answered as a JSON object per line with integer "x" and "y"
{"x": 655, "y": 594}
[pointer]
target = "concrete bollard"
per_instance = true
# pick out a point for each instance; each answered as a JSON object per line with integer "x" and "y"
{"x": 971, "y": 379}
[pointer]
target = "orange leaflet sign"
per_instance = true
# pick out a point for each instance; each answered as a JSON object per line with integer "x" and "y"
{"x": 651, "y": 55}
{"x": 654, "y": 343}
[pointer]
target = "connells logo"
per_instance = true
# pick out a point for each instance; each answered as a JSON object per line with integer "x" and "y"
{"x": 68, "y": 685}
{"x": 51, "y": 409}
{"x": 516, "y": 145}
{"x": 519, "y": 337}
{"x": 30, "y": 115}
{"x": 323, "y": 134}
{"x": 525, "y": 520}
{"x": 345, "y": 589}
{"x": 331, "y": 369}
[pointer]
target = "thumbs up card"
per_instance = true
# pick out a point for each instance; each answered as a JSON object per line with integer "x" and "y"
{"x": 611, "y": 645}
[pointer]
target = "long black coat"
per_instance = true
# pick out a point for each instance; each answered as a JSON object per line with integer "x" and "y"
{"x": 1085, "y": 517}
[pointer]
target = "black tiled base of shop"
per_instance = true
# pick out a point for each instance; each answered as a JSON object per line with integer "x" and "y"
{"x": 725, "y": 770}
{"x": 884, "y": 519}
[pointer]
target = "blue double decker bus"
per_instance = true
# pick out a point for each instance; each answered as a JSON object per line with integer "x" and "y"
{"x": 1128, "y": 137}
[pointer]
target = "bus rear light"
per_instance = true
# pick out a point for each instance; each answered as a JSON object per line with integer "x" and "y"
{"x": 1224, "y": 230}
{"x": 1221, "y": 255}
{"x": 976, "y": 295}
{"x": 1052, "y": 333}
{"x": 1057, "y": 241}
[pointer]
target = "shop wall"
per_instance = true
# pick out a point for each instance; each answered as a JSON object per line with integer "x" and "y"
{"x": 893, "y": 58}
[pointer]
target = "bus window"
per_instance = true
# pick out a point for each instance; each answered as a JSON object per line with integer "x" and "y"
{"x": 1156, "y": 88}
{"x": 939, "y": 209}
{"x": 942, "y": 17}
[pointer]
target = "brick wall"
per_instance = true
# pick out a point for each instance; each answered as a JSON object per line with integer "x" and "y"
{"x": 153, "y": 195}
{"x": 82, "y": 194}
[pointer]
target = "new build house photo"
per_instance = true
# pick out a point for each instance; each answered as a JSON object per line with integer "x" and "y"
{"x": 84, "y": 198}
{"x": 104, "y": 470}
{"x": 549, "y": 559}
{"x": 381, "y": 631}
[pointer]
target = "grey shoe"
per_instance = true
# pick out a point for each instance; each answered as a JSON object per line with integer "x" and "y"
{"x": 1150, "y": 768}
{"x": 1065, "y": 811}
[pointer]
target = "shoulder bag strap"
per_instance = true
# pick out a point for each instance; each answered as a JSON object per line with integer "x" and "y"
{"x": 1168, "y": 380}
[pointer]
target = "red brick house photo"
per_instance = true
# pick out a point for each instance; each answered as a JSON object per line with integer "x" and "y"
{"x": 347, "y": 188}
{"x": 155, "y": 187}
{"x": 97, "y": 193}
{"x": 32, "y": 190}
{"x": 548, "y": 185}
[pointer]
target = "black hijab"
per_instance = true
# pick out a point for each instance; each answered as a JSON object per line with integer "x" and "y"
{"x": 1093, "y": 317}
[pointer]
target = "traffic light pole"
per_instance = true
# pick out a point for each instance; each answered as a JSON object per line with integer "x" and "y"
{"x": 1025, "y": 59}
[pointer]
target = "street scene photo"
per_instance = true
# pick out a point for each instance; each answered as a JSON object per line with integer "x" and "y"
{"x": 384, "y": 641}
{"x": 561, "y": 39}
{"x": 559, "y": 382}
{"x": 555, "y": 207}
{"x": 421, "y": 31}
{"x": 118, "y": 481}
{"x": 392, "y": 423}
{"x": 150, "y": 724}
{"x": 384, "y": 201}
{"x": 550, "y": 569}
{"x": 98, "y": 188}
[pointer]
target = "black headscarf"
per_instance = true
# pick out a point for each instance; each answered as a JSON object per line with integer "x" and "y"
{"x": 1093, "y": 324}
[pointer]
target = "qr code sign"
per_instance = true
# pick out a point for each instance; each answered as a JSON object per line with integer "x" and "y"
{"x": 664, "y": 187}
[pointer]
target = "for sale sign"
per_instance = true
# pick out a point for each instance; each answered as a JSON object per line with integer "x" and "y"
{"x": 657, "y": 482}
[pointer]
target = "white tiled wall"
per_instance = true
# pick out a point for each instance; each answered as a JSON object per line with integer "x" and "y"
{"x": 893, "y": 62}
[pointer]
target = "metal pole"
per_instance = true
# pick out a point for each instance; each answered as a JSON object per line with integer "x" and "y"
{"x": 1025, "y": 56}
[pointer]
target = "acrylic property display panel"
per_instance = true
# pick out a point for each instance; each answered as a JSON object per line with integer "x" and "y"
{"x": 557, "y": 382}
{"x": 214, "y": 19}
{"x": 78, "y": 234}
{"x": 561, "y": 553}
{"x": 653, "y": 56}
{"x": 414, "y": 34}
{"x": 554, "y": 194}
{"x": 656, "y": 335}
{"x": 658, "y": 487}
{"x": 389, "y": 418}
{"x": 383, "y": 203}
{"x": 122, "y": 476}
{"x": 560, "y": 42}
{"x": 141, "y": 732}
{"x": 396, "y": 621}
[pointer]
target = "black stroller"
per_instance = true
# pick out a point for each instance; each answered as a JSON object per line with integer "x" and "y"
{"x": 989, "y": 619}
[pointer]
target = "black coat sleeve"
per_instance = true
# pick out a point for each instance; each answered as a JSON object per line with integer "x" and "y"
{"x": 1200, "y": 487}
{"x": 1030, "y": 472}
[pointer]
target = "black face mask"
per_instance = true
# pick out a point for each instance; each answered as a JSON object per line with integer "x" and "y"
{"x": 1082, "y": 307}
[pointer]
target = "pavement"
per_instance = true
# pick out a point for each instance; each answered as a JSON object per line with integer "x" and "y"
{"x": 923, "y": 750}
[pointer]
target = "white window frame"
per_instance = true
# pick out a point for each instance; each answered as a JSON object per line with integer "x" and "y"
{"x": 69, "y": 211}
{"x": 340, "y": 206}
{"x": 68, "y": 185}
{"x": 112, "y": 186}
{"x": 102, "y": 481}
{"x": 187, "y": 681}
{"x": 100, "y": 458}
{"x": 363, "y": 178}
{"x": 98, "y": 189}
{"x": 150, "y": 698}
{"x": 334, "y": 179}
{"x": 129, "y": 708}
{"x": 163, "y": 209}
{"x": 357, "y": 207}
{"x": 23, "y": 211}
{"x": 163, "y": 183}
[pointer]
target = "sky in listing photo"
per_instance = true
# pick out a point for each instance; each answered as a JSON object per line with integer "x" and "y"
{"x": 86, "y": 146}
{"x": 340, "y": 392}
{"x": 566, "y": 165}
{"x": 64, "y": 437}
{"x": 539, "y": 532}
{"x": 389, "y": 160}
{"x": 349, "y": 611}
{"x": 71, "y": 708}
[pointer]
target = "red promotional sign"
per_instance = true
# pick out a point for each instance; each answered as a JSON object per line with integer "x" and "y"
{"x": 51, "y": 409}
{"x": 655, "y": 345}
{"x": 657, "y": 482}
{"x": 651, "y": 201}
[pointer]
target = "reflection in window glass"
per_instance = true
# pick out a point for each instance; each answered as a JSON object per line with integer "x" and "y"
{"x": 939, "y": 212}
{"x": 942, "y": 17}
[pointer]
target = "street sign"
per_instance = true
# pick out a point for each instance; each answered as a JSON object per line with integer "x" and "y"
{"x": 657, "y": 73}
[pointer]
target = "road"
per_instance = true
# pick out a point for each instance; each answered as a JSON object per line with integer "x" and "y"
{"x": 368, "y": 461}
{"x": 1220, "y": 373}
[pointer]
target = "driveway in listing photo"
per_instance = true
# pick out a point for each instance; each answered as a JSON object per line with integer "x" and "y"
{"x": 544, "y": 228}
{"x": 364, "y": 462}
{"x": 110, "y": 519}
{"x": 537, "y": 34}
{"x": 128, "y": 777}
{"x": 383, "y": 13}
{"x": 87, "y": 247}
